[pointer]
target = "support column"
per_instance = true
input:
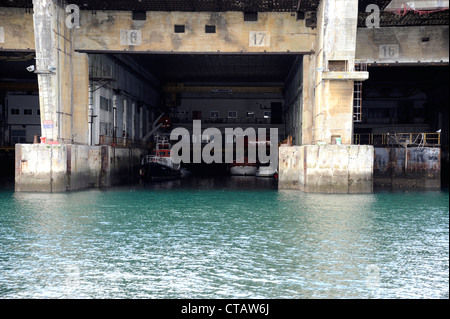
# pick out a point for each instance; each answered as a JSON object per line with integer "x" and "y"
{"x": 54, "y": 67}
{"x": 81, "y": 99}
{"x": 327, "y": 114}
{"x": 335, "y": 72}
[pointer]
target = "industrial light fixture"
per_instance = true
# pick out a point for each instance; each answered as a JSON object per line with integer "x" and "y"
{"x": 50, "y": 69}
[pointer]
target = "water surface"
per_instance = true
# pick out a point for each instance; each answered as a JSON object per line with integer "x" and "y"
{"x": 226, "y": 238}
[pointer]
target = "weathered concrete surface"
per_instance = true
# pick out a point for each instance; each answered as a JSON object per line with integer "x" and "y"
{"x": 327, "y": 168}
{"x": 40, "y": 167}
{"x": 60, "y": 168}
{"x": 124, "y": 165}
{"x": 427, "y": 44}
{"x": 421, "y": 169}
{"x": 80, "y": 132}
{"x": 116, "y": 31}
{"x": 332, "y": 114}
{"x": 54, "y": 67}
{"x": 17, "y": 29}
{"x": 83, "y": 167}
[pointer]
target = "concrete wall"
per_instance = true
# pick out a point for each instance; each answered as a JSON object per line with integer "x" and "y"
{"x": 129, "y": 84}
{"x": 116, "y": 30}
{"x": 40, "y": 167}
{"x": 17, "y": 29}
{"x": 326, "y": 168}
{"x": 425, "y": 44}
{"x": 124, "y": 165}
{"x": 60, "y": 168}
{"x": 421, "y": 169}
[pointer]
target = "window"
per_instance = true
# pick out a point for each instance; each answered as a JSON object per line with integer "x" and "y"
{"x": 210, "y": 29}
{"x": 337, "y": 65}
{"x": 250, "y": 114}
{"x": 28, "y": 112}
{"x": 179, "y": 28}
{"x": 196, "y": 115}
{"x": 105, "y": 129}
{"x": 267, "y": 114}
{"x": 250, "y": 16}
{"x": 139, "y": 15}
{"x": 15, "y": 111}
{"x": 18, "y": 136}
{"x": 232, "y": 114}
{"x": 38, "y": 112}
{"x": 105, "y": 104}
{"x": 214, "y": 114}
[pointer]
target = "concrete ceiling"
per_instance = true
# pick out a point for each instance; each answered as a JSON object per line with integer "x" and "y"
{"x": 259, "y": 69}
{"x": 218, "y": 68}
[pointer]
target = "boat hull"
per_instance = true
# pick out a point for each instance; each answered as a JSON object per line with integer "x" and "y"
{"x": 265, "y": 171}
{"x": 156, "y": 172}
{"x": 243, "y": 170}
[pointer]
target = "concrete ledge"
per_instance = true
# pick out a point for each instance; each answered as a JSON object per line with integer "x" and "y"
{"x": 420, "y": 169}
{"x": 60, "y": 168}
{"x": 355, "y": 76}
{"x": 327, "y": 168}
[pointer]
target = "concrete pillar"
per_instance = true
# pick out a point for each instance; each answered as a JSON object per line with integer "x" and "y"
{"x": 54, "y": 67}
{"x": 336, "y": 169}
{"x": 327, "y": 113}
{"x": 334, "y": 73}
{"x": 81, "y": 98}
{"x": 307, "y": 126}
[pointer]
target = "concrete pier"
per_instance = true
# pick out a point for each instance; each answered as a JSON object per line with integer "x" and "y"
{"x": 411, "y": 168}
{"x": 327, "y": 168}
{"x": 60, "y": 168}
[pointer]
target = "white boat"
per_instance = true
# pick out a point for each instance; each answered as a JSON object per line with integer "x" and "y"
{"x": 266, "y": 171}
{"x": 244, "y": 170}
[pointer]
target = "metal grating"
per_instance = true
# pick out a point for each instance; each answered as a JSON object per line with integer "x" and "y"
{"x": 183, "y": 5}
{"x": 387, "y": 19}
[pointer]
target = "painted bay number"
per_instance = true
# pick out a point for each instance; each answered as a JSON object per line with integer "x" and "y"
{"x": 130, "y": 37}
{"x": 258, "y": 39}
{"x": 389, "y": 51}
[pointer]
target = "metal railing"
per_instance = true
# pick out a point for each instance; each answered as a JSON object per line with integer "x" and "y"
{"x": 402, "y": 139}
{"x": 238, "y": 120}
{"x": 123, "y": 142}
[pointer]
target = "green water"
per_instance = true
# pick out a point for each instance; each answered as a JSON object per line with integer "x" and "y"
{"x": 237, "y": 238}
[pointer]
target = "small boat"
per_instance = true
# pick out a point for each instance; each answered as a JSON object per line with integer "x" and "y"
{"x": 243, "y": 169}
{"x": 160, "y": 165}
{"x": 266, "y": 171}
